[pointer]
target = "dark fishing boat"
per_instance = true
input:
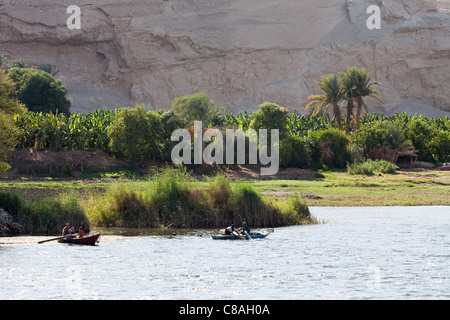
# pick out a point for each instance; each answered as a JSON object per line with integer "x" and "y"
{"x": 237, "y": 236}
{"x": 89, "y": 240}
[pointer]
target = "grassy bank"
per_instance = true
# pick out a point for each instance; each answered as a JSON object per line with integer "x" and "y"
{"x": 40, "y": 216}
{"x": 182, "y": 201}
{"x": 340, "y": 189}
{"x": 178, "y": 201}
{"x": 171, "y": 199}
{"x": 328, "y": 188}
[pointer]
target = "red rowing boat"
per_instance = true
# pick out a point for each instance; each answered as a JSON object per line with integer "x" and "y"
{"x": 90, "y": 240}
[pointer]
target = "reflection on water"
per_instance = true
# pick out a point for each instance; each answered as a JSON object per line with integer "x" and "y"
{"x": 360, "y": 253}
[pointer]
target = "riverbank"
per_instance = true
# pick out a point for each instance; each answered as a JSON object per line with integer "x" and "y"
{"x": 171, "y": 199}
{"x": 174, "y": 200}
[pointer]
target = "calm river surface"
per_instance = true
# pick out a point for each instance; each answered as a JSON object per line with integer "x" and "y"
{"x": 358, "y": 253}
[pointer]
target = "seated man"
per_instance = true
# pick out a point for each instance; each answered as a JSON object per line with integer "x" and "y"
{"x": 65, "y": 231}
{"x": 245, "y": 228}
{"x": 230, "y": 229}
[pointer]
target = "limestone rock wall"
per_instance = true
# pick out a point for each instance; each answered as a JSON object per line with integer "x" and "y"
{"x": 239, "y": 52}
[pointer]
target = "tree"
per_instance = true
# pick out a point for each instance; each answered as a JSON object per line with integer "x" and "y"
{"x": 348, "y": 85}
{"x": 331, "y": 97}
{"x": 8, "y": 107}
{"x": 40, "y": 91}
{"x": 364, "y": 88}
{"x": 330, "y": 147}
{"x": 271, "y": 116}
{"x": 395, "y": 138}
{"x": 135, "y": 134}
{"x": 18, "y": 64}
{"x": 195, "y": 107}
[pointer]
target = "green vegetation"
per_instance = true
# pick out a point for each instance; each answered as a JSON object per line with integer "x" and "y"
{"x": 44, "y": 215}
{"x": 172, "y": 199}
{"x": 369, "y": 167}
{"x": 270, "y": 116}
{"x": 40, "y": 91}
{"x": 8, "y": 107}
{"x": 331, "y": 97}
{"x": 48, "y": 131}
{"x": 339, "y": 189}
{"x": 79, "y": 131}
{"x": 135, "y": 134}
{"x": 344, "y": 140}
{"x": 330, "y": 148}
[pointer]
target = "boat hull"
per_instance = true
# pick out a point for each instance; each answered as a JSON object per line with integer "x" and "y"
{"x": 86, "y": 241}
{"x": 253, "y": 235}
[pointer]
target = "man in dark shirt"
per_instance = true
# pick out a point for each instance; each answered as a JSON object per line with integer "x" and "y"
{"x": 245, "y": 228}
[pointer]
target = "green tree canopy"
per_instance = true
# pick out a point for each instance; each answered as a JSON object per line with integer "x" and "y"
{"x": 331, "y": 97}
{"x": 40, "y": 91}
{"x": 196, "y": 107}
{"x": 271, "y": 116}
{"x": 135, "y": 134}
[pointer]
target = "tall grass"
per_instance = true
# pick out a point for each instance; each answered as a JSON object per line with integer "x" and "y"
{"x": 369, "y": 167}
{"x": 44, "y": 216}
{"x": 175, "y": 200}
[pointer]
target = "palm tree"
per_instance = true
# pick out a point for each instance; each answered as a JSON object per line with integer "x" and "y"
{"x": 332, "y": 96}
{"x": 395, "y": 138}
{"x": 364, "y": 88}
{"x": 348, "y": 87}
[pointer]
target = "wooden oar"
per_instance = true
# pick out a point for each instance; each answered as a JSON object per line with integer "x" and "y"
{"x": 55, "y": 239}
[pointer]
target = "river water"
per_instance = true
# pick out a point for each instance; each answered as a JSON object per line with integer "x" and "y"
{"x": 356, "y": 253}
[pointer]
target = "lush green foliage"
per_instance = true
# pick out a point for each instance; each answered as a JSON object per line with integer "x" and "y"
{"x": 330, "y": 148}
{"x": 40, "y": 91}
{"x": 58, "y": 131}
{"x": 294, "y": 152}
{"x": 431, "y": 136}
{"x": 8, "y": 107}
{"x": 270, "y": 116}
{"x": 306, "y": 141}
{"x": 369, "y": 167}
{"x": 44, "y": 216}
{"x": 331, "y": 97}
{"x": 173, "y": 199}
{"x": 135, "y": 134}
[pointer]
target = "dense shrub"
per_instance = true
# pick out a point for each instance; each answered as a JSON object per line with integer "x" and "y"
{"x": 370, "y": 135}
{"x": 271, "y": 116}
{"x": 431, "y": 138}
{"x": 294, "y": 152}
{"x": 40, "y": 91}
{"x": 330, "y": 148}
{"x": 381, "y": 134}
{"x": 135, "y": 134}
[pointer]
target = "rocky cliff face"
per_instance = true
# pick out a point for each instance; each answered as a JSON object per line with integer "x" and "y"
{"x": 241, "y": 52}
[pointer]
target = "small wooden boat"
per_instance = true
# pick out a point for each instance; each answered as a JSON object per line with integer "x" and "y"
{"x": 89, "y": 240}
{"x": 252, "y": 235}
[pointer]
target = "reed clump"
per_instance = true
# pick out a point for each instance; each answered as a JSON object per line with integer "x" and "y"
{"x": 174, "y": 199}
